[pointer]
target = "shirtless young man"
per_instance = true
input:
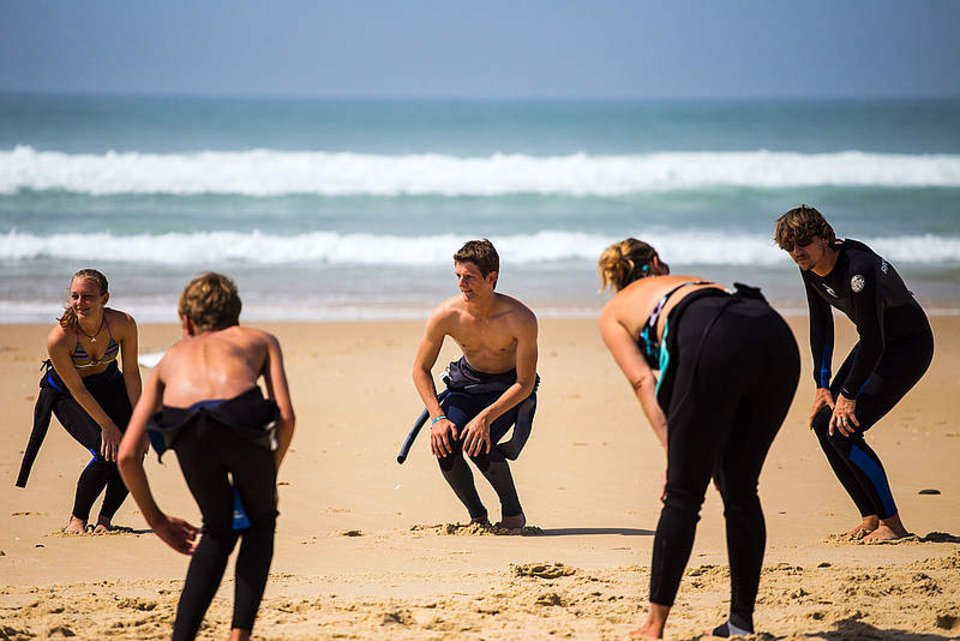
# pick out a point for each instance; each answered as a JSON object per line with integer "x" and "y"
{"x": 213, "y": 414}
{"x": 498, "y": 337}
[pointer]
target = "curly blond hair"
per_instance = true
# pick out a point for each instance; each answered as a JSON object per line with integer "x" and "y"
{"x": 211, "y": 302}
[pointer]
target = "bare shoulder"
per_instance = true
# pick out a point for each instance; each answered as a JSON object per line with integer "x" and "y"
{"x": 517, "y": 313}
{"x": 256, "y": 335}
{"x": 57, "y": 337}
{"x": 120, "y": 322}
{"x": 446, "y": 313}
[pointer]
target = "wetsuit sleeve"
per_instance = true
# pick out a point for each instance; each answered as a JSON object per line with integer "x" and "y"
{"x": 868, "y": 310}
{"x": 821, "y": 335}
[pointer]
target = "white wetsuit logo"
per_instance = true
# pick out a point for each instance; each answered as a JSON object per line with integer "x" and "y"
{"x": 856, "y": 284}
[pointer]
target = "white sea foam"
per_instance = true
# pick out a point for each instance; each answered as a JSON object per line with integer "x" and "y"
{"x": 272, "y": 173}
{"x": 205, "y": 248}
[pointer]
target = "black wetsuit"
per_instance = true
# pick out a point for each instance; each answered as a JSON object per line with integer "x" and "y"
{"x": 110, "y": 391}
{"x": 218, "y": 442}
{"x": 470, "y": 391}
{"x": 729, "y": 376}
{"x": 894, "y": 351}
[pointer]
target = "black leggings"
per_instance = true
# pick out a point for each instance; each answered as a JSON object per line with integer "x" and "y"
{"x": 856, "y": 465}
{"x": 209, "y": 456}
{"x": 110, "y": 392}
{"x": 730, "y": 394}
{"x": 460, "y": 409}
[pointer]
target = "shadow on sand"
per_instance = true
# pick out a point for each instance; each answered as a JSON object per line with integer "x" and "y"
{"x": 853, "y": 630}
{"x": 587, "y": 531}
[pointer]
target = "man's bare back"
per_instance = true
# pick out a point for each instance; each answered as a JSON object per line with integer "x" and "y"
{"x": 214, "y": 365}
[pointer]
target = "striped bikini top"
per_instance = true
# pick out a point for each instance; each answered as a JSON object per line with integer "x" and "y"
{"x": 83, "y": 360}
{"x": 648, "y": 342}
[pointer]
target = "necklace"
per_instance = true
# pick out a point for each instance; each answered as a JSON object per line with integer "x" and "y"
{"x": 93, "y": 338}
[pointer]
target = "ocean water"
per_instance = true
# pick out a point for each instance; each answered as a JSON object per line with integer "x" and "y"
{"x": 340, "y": 209}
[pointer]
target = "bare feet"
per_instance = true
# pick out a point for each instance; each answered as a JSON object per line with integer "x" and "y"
{"x": 513, "y": 522}
{"x": 103, "y": 526}
{"x": 643, "y": 633}
{"x": 890, "y": 529}
{"x": 868, "y": 525}
{"x": 653, "y": 626}
{"x": 75, "y": 526}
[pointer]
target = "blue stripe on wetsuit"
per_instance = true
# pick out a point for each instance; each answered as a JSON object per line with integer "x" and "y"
{"x": 664, "y": 355}
{"x": 825, "y": 362}
{"x": 877, "y": 477}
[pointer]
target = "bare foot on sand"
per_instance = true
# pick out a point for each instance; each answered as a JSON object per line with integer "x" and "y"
{"x": 889, "y": 529}
{"x": 75, "y": 526}
{"x": 513, "y": 522}
{"x": 652, "y": 628}
{"x": 104, "y": 526}
{"x": 869, "y": 524}
{"x": 481, "y": 520}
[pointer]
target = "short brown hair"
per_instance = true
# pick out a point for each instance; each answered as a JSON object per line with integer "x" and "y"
{"x": 622, "y": 263}
{"x": 481, "y": 253}
{"x": 211, "y": 302}
{"x": 800, "y": 226}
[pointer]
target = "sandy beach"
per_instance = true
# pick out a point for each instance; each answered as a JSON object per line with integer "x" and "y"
{"x": 367, "y": 548}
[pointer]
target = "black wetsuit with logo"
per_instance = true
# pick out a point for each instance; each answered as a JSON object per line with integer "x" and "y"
{"x": 894, "y": 350}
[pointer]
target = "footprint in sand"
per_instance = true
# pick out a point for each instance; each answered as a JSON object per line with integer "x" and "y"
{"x": 543, "y": 570}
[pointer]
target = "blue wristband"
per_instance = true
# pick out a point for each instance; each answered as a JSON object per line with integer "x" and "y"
{"x": 436, "y": 418}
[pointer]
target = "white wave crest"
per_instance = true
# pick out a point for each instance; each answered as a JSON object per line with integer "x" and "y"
{"x": 204, "y": 248}
{"x": 273, "y": 173}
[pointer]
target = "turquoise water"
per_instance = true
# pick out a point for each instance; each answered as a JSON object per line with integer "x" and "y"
{"x": 351, "y": 209}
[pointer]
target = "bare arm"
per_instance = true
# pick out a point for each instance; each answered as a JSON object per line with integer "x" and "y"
{"x": 427, "y": 352}
{"x": 442, "y": 430}
{"x": 627, "y": 355}
{"x": 275, "y": 377}
{"x": 175, "y": 532}
{"x": 129, "y": 351}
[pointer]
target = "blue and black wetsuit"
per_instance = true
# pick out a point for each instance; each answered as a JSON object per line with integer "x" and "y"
{"x": 471, "y": 391}
{"x": 893, "y": 352}
{"x": 54, "y": 399}
{"x": 729, "y": 370}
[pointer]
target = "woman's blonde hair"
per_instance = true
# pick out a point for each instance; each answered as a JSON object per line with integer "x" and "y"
{"x": 622, "y": 263}
{"x": 69, "y": 318}
{"x": 211, "y": 302}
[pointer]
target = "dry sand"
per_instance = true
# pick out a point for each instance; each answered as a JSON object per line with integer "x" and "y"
{"x": 367, "y": 548}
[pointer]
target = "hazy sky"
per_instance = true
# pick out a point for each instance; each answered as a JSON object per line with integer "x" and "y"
{"x": 485, "y": 48}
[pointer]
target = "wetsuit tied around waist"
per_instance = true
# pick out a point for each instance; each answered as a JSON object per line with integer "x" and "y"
{"x": 54, "y": 399}
{"x": 471, "y": 391}
{"x": 219, "y": 442}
